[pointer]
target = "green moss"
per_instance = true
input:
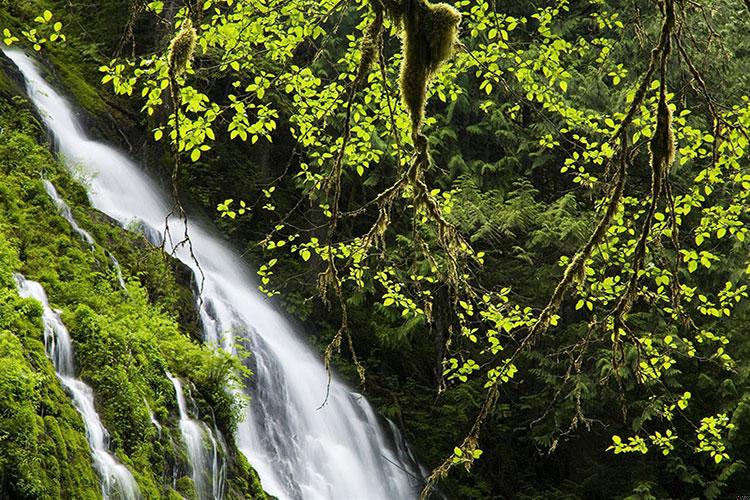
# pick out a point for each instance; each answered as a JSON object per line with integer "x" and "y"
{"x": 429, "y": 36}
{"x": 69, "y": 73}
{"x": 7, "y": 86}
{"x": 41, "y": 456}
{"x": 245, "y": 483}
{"x": 186, "y": 488}
{"x": 181, "y": 48}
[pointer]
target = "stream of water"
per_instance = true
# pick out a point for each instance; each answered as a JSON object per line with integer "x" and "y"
{"x": 202, "y": 449}
{"x": 67, "y": 214}
{"x": 116, "y": 479}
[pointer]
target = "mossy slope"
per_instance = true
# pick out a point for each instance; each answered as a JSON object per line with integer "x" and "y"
{"x": 124, "y": 339}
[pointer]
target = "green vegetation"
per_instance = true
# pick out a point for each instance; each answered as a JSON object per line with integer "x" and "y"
{"x": 44, "y": 451}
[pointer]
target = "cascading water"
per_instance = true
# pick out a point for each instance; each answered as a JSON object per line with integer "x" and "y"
{"x": 205, "y": 467}
{"x": 116, "y": 479}
{"x": 153, "y": 418}
{"x": 67, "y": 214}
{"x": 301, "y": 451}
{"x": 118, "y": 271}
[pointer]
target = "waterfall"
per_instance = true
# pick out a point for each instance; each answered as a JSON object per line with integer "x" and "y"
{"x": 206, "y": 463}
{"x": 116, "y": 479}
{"x": 301, "y": 451}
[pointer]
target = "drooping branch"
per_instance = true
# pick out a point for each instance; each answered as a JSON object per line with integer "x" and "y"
{"x": 577, "y": 263}
{"x": 619, "y": 140}
{"x": 429, "y": 35}
{"x": 370, "y": 48}
{"x": 179, "y": 55}
{"x": 662, "y": 150}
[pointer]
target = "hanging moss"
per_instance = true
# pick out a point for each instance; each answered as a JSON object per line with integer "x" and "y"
{"x": 372, "y": 41}
{"x": 662, "y": 145}
{"x": 181, "y": 48}
{"x": 429, "y": 37}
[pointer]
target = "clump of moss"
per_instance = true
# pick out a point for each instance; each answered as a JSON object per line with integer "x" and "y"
{"x": 442, "y": 31}
{"x": 181, "y": 48}
{"x": 186, "y": 488}
{"x": 370, "y": 44}
{"x": 430, "y": 33}
{"x": 662, "y": 147}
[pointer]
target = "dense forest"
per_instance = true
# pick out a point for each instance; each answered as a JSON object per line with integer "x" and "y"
{"x": 374, "y": 249}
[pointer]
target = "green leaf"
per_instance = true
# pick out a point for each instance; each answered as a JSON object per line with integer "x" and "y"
{"x": 156, "y": 7}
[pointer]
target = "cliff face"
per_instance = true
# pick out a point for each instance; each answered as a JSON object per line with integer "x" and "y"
{"x": 129, "y": 310}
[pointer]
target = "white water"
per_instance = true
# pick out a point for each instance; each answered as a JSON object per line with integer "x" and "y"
{"x": 118, "y": 271}
{"x": 115, "y": 478}
{"x": 339, "y": 451}
{"x": 153, "y": 418}
{"x": 67, "y": 214}
{"x": 203, "y": 453}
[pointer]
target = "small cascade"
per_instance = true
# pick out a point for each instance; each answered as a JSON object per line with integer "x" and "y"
{"x": 206, "y": 464}
{"x": 403, "y": 449}
{"x": 118, "y": 271}
{"x": 153, "y": 418}
{"x": 117, "y": 481}
{"x": 218, "y": 465}
{"x": 65, "y": 211}
{"x": 67, "y": 214}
